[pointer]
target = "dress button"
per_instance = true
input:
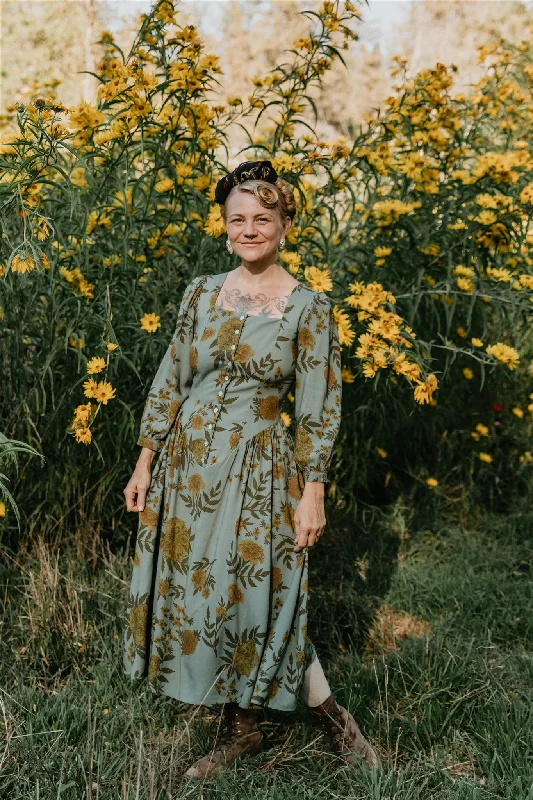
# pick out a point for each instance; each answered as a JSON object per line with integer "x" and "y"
{"x": 226, "y": 378}
{"x": 210, "y": 425}
{"x": 233, "y": 346}
{"x": 236, "y": 330}
{"x": 216, "y": 408}
{"x": 221, "y": 393}
{"x": 242, "y": 317}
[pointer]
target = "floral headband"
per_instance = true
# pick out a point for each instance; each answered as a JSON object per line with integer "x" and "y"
{"x": 247, "y": 171}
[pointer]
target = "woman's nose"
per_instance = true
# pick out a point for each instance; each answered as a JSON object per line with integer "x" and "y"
{"x": 249, "y": 229}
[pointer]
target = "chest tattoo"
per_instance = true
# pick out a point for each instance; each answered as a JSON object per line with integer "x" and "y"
{"x": 260, "y": 305}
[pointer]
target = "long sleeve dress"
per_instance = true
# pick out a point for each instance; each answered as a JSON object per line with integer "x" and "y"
{"x": 218, "y": 603}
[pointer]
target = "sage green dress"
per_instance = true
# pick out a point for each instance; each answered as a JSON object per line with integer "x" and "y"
{"x": 218, "y": 603}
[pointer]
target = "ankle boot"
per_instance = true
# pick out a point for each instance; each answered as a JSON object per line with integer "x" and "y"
{"x": 344, "y": 735}
{"x": 243, "y": 737}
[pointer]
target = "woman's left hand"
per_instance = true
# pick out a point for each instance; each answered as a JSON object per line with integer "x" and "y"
{"x": 310, "y": 517}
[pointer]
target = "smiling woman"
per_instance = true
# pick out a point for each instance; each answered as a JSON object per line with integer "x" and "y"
{"x": 219, "y": 592}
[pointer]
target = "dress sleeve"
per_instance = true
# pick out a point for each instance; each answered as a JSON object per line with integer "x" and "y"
{"x": 173, "y": 379}
{"x": 317, "y": 388}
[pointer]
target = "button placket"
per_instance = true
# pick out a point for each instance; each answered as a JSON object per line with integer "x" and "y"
{"x": 217, "y": 404}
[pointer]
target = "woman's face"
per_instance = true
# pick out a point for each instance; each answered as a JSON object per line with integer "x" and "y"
{"x": 253, "y": 230}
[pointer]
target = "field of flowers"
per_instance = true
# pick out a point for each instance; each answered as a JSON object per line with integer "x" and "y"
{"x": 419, "y": 229}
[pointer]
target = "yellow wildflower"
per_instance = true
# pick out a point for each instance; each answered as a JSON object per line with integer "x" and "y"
{"x": 518, "y": 412}
{"x": 95, "y": 365}
{"x": 467, "y": 372}
{"x": 502, "y": 352}
{"x": 83, "y": 435}
{"x": 2, "y": 508}
{"x": 482, "y": 429}
{"x": 150, "y": 323}
{"x": 432, "y": 482}
{"x": 319, "y": 280}
{"x": 485, "y": 457}
{"x": 104, "y": 392}
{"x": 382, "y": 452}
{"x": 215, "y": 225}
{"x": 477, "y": 342}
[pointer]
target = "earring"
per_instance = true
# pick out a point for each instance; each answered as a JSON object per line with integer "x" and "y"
{"x": 229, "y": 247}
{"x": 282, "y": 244}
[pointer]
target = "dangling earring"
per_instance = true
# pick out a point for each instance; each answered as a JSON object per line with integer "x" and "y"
{"x": 282, "y": 244}
{"x": 228, "y": 245}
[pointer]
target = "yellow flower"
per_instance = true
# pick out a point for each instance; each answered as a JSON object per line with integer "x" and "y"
{"x": 477, "y": 342}
{"x": 518, "y": 412}
{"x": 467, "y": 372}
{"x": 293, "y": 260}
{"x": 164, "y": 185}
{"x": 462, "y": 333}
{"x": 465, "y": 284}
{"x": 502, "y": 352}
{"x": 319, "y": 280}
{"x": 424, "y": 391}
{"x": 432, "y": 482}
{"x": 150, "y": 323}
{"x": 499, "y": 274}
{"x": 83, "y": 435}
{"x": 2, "y": 508}
{"x": 215, "y": 225}
{"x": 83, "y": 413}
{"x": 382, "y": 453}
{"x": 347, "y": 375}
{"x": 482, "y": 429}
{"x": 104, "y": 392}
{"x": 95, "y": 365}
{"x": 89, "y": 387}
{"x": 485, "y": 457}
{"x": 111, "y": 346}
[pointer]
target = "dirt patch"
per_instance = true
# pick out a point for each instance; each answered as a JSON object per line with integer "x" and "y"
{"x": 392, "y": 627}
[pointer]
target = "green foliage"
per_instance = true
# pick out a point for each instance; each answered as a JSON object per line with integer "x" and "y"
{"x": 418, "y": 228}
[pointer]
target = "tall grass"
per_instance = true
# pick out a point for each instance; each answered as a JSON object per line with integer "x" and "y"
{"x": 441, "y": 682}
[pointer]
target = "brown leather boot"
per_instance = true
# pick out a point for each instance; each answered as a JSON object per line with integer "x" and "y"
{"x": 343, "y": 732}
{"x": 244, "y": 737}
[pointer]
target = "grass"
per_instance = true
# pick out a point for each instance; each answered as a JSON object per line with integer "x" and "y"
{"x": 426, "y": 636}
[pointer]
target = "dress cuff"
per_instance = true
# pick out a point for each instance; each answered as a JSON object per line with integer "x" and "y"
{"x": 315, "y": 474}
{"x": 151, "y": 444}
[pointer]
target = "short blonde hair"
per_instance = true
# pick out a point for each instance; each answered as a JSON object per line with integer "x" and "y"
{"x": 278, "y": 195}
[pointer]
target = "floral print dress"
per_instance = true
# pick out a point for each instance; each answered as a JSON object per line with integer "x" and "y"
{"x": 218, "y": 603}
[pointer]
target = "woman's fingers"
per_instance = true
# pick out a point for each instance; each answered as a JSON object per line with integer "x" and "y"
{"x": 141, "y": 497}
{"x": 307, "y": 537}
{"x": 135, "y": 497}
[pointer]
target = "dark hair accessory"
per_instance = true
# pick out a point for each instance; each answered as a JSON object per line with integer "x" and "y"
{"x": 247, "y": 171}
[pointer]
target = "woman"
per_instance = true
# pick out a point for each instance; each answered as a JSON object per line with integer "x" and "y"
{"x": 218, "y": 604}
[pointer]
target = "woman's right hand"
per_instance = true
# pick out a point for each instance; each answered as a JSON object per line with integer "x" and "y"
{"x": 139, "y": 483}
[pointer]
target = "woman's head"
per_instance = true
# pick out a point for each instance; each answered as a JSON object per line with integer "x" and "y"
{"x": 260, "y": 212}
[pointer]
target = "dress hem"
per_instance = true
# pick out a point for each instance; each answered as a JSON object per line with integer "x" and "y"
{"x": 208, "y": 702}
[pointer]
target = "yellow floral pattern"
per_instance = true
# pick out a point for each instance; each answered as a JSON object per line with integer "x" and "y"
{"x": 218, "y": 602}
